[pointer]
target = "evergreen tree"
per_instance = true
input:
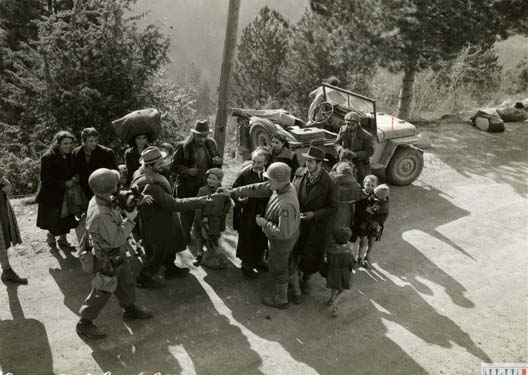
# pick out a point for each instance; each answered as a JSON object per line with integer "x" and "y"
{"x": 411, "y": 35}
{"x": 319, "y": 50}
{"x": 261, "y": 54}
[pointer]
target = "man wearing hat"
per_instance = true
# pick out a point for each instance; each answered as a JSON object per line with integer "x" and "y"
{"x": 161, "y": 230}
{"x": 355, "y": 144}
{"x": 317, "y": 194}
{"x": 193, "y": 157}
{"x": 109, "y": 233}
{"x": 280, "y": 224}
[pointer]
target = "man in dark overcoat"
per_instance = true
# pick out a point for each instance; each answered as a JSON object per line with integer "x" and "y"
{"x": 87, "y": 158}
{"x": 194, "y": 156}
{"x": 161, "y": 230}
{"x": 252, "y": 242}
{"x": 318, "y": 202}
{"x": 355, "y": 144}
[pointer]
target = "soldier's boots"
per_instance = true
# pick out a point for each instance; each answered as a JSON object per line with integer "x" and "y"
{"x": 280, "y": 299}
{"x": 9, "y": 275}
{"x": 88, "y": 330}
{"x": 135, "y": 313}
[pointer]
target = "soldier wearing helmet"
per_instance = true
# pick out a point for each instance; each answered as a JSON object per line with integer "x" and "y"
{"x": 280, "y": 224}
{"x": 109, "y": 233}
{"x": 355, "y": 144}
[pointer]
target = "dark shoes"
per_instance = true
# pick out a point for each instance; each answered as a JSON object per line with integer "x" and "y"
{"x": 135, "y": 313}
{"x": 262, "y": 267}
{"x": 10, "y": 276}
{"x": 365, "y": 263}
{"x": 272, "y": 302}
{"x": 250, "y": 273}
{"x": 147, "y": 282}
{"x": 88, "y": 330}
{"x": 65, "y": 245}
{"x": 198, "y": 260}
{"x": 176, "y": 272}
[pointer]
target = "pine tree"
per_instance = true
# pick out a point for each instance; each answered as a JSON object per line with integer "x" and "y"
{"x": 319, "y": 50}
{"x": 261, "y": 54}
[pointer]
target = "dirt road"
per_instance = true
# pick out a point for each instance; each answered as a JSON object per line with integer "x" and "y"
{"x": 447, "y": 292}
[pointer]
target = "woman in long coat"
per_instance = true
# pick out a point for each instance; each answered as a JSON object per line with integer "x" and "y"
{"x": 280, "y": 151}
{"x": 56, "y": 175}
{"x": 252, "y": 242}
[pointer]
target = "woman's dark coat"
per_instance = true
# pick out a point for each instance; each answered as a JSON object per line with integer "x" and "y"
{"x": 55, "y": 170}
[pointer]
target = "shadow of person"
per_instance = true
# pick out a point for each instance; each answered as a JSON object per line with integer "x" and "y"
{"x": 304, "y": 336}
{"x": 186, "y": 335}
{"x": 421, "y": 209}
{"x": 70, "y": 278}
{"x": 24, "y": 345}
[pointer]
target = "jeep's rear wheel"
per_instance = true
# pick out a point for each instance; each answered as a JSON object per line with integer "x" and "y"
{"x": 405, "y": 166}
{"x": 260, "y": 133}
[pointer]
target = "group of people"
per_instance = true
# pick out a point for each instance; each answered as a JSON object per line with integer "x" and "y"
{"x": 293, "y": 221}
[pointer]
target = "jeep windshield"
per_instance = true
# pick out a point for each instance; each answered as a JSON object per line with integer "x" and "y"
{"x": 347, "y": 100}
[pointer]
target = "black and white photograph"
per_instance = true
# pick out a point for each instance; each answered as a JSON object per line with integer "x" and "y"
{"x": 263, "y": 187}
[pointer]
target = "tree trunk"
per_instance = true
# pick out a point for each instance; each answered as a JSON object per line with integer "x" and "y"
{"x": 406, "y": 93}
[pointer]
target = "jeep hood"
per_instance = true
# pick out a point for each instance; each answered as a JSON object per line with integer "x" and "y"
{"x": 390, "y": 127}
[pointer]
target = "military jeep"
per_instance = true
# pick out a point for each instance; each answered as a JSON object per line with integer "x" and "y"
{"x": 394, "y": 151}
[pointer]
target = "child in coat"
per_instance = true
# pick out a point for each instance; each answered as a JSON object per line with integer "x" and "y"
{"x": 372, "y": 211}
{"x": 340, "y": 262}
{"x": 209, "y": 222}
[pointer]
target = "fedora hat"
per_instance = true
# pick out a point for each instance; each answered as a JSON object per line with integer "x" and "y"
{"x": 315, "y": 153}
{"x": 201, "y": 127}
{"x": 151, "y": 155}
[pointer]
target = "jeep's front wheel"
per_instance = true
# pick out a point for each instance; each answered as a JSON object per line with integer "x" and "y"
{"x": 405, "y": 166}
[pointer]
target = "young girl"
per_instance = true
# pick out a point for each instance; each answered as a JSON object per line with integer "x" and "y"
{"x": 372, "y": 213}
{"x": 209, "y": 222}
{"x": 340, "y": 262}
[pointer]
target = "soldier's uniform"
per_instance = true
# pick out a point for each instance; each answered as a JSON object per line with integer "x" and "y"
{"x": 358, "y": 141}
{"x": 109, "y": 233}
{"x": 282, "y": 229}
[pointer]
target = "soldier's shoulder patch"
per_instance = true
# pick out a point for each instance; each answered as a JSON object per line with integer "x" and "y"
{"x": 285, "y": 213}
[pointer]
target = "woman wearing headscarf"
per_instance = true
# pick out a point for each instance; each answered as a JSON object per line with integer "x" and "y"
{"x": 57, "y": 174}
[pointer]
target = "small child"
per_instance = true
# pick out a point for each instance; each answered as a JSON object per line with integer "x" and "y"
{"x": 209, "y": 222}
{"x": 340, "y": 263}
{"x": 372, "y": 211}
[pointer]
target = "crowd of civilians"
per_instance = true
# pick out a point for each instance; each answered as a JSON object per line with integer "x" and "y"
{"x": 292, "y": 221}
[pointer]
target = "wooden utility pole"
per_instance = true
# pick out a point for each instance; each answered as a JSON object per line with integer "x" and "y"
{"x": 228, "y": 61}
